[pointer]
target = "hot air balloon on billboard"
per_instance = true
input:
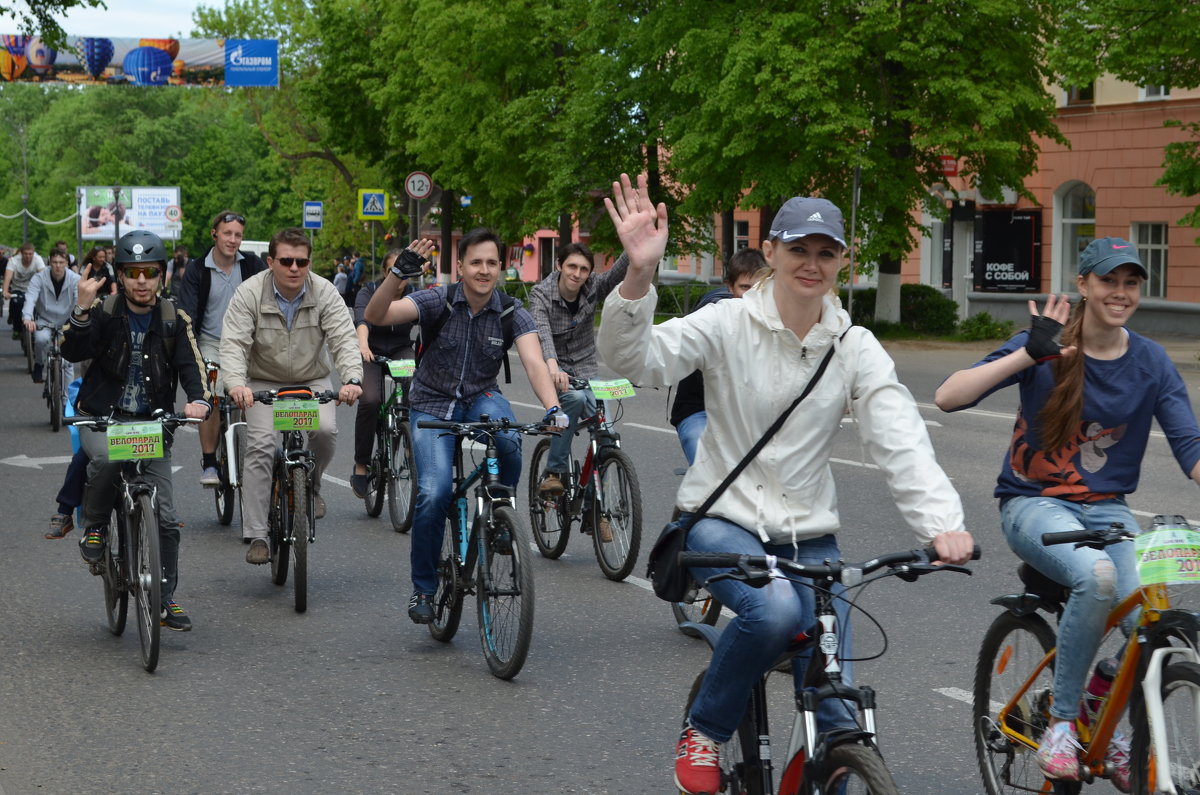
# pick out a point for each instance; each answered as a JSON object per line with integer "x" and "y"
{"x": 15, "y": 45}
{"x": 41, "y": 56}
{"x": 169, "y": 46}
{"x": 147, "y": 66}
{"x": 95, "y": 54}
{"x": 11, "y": 65}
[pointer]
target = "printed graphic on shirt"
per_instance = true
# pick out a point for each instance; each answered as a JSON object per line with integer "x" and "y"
{"x": 1056, "y": 471}
{"x": 133, "y": 396}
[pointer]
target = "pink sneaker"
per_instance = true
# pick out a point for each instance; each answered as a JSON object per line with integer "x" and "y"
{"x": 1058, "y": 754}
{"x": 1117, "y": 759}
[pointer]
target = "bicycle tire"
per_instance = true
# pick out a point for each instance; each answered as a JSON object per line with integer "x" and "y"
{"x": 857, "y": 770}
{"x": 1181, "y": 710}
{"x": 54, "y": 391}
{"x": 619, "y": 500}
{"x": 146, "y": 570}
{"x": 736, "y": 778}
{"x": 448, "y": 598}
{"x": 1011, "y": 649}
{"x": 504, "y": 595}
{"x": 402, "y": 479}
{"x": 115, "y": 574}
{"x": 550, "y": 518}
{"x": 377, "y": 474}
{"x": 27, "y": 349}
{"x": 279, "y": 524}
{"x": 223, "y": 494}
{"x": 703, "y": 608}
{"x": 303, "y": 509}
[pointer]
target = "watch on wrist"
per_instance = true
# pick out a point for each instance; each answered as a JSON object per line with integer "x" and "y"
{"x": 78, "y": 311}
{"x": 353, "y": 382}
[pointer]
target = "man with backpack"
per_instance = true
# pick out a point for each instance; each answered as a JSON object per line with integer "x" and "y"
{"x": 466, "y": 330}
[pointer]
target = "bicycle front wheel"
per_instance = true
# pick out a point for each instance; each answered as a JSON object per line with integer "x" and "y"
{"x": 115, "y": 574}
{"x": 223, "y": 494}
{"x": 1181, "y": 719}
{"x": 54, "y": 392}
{"x": 549, "y": 517}
{"x": 377, "y": 475}
{"x": 279, "y": 524}
{"x": 146, "y": 570}
{"x": 504, "y": 594}
{"x": 303, "y": 508}
{"x": 1012, "y": 648}
{"x": 857, "y": 770}
{"x": 738, "y": 775}
{"x": 27, "y": 347}
{"x": 402, "y": 480}
{"x": 447, "y": 600}
{"x": 619, "y": 504}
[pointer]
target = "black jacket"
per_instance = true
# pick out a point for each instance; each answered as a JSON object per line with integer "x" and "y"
{"x": 104, "y": 339}
{"x": 197, "y": 279}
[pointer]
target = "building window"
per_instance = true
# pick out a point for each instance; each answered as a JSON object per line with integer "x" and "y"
{"x": 741, "y": 235}
{"x": 1081, "y": 95}
{"x": 1151, "y": 242}
{"x": 1078, "y": 229}
{"x": 1156, "y": 92}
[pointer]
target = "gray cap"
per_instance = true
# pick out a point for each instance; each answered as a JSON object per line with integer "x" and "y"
{"x": 1103, "y": 255}
{"x": 807, "y": 215}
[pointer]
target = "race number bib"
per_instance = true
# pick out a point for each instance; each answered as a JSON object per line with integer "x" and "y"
{"x": 615, "y": 389}
{"x": 402, "y": 368}
{"x": 297, "y": 415}
{"x": 135, "y": 441}
{"x": 1168, "y": 555}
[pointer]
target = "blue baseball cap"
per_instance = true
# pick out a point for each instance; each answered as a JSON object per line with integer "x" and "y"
{"x": 1103, "y": 255}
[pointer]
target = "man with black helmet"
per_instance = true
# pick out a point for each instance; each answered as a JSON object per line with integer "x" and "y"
{"x": 141, "y": 348}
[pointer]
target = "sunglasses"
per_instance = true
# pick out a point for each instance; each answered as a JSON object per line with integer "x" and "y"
{"x": 149, "y": 271}
{"x": 299, "y": 262}
{"x": 229, "y": 218}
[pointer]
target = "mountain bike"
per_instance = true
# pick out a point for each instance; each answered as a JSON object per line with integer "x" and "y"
{"x": 57, "y": 374}
{"x": 603, "y": 494}
{"x": 392, "y": 470}
{"x": 16, "y": 305}
{"x": 231, "y": 450}
{"x": 131, "y": 564}
{"x": 291, "y": 516}
{"x": 1014, "y": 676}
{"x": 486, "y": 555}
{"x": 836, "y": 760}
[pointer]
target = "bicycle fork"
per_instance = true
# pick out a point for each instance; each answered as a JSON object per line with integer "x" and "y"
{"x": 231, "y": 452}
{"x": 1152, "y": 690}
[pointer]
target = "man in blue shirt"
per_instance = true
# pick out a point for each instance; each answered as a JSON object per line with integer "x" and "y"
{"x": 456, "y": 381}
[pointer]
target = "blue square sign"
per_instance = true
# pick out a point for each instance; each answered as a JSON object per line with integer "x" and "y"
{"x": 314, "y": 215}
{"x": 252, "y": 62}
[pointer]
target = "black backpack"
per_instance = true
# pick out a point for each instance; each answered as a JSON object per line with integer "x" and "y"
{"x": 429, "y": 334}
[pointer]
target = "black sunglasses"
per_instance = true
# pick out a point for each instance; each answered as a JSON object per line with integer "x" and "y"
{"x": 230, "y": 218}
{"x": 287, "y": 262}
{"x": 149, "y": 271}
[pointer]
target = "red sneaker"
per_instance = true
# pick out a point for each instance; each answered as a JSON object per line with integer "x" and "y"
{"x": 696, "y": 768}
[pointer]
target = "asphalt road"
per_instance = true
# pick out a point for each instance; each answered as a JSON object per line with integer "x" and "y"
{"x": 352, "y": 697}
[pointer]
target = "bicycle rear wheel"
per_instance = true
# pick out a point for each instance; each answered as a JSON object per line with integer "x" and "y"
{"x": 54, "y": 391}
{"x": 402, "y": 483}
{"x": 619, "y": 502}
{"x": 700, "y": 607}
{"x": 504, "y": 595}
{"x": 279, "y": 524}
{"x": 1011, "y": 649}
{"x": 1181, "y": 718}
{"x": 146, "y": 571}
{"x": 448, "y": 599}
{"x": 737, "y": 775}
{"x": 303, "y": 509}
{"x": 114, "y": 572}
{"x": 550, "y": 517}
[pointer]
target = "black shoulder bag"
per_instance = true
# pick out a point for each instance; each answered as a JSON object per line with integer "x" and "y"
{"x": 672, "y": 581}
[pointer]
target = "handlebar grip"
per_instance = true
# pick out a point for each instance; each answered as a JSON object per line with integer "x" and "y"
{"x": 438, "y": 424}
{"x": 933, "y": 556}
{"x": 1067, "y": 537}
{"x": 710, "y": 560}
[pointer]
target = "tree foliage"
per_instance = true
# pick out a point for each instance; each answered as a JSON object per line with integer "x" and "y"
{"x": 37, "y": 16}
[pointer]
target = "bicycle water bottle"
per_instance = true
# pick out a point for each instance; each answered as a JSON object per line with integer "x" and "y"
{"x": 1096, "y": 692}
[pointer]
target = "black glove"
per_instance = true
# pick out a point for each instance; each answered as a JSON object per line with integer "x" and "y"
{"x": 1043, "y": 343}
{"x": 409, "y": 263}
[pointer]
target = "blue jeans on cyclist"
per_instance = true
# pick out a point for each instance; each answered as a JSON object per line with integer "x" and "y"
{"x": 575, "y": 403}
{"x": 689, "y": 430}
{"x": 767, "y": 620}
{"x": 1098, "y": 579}
{"x": 433, "y": 454}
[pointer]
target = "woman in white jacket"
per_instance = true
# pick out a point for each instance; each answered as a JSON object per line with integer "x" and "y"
{"x": 757, "y": 355}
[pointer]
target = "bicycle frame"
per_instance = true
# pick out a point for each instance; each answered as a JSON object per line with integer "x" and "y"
{"x": 600, "y": 434}
{"x": 291, "y": 454}
{"x": 484, "y": 477}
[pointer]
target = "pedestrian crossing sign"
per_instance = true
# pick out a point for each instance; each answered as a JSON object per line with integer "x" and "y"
{"x": 372, "y": 205}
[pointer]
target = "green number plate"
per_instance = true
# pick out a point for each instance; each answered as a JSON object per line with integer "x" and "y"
{"x": 1168, "y": 555}
{"x": 612, "y": 390}
{"x": 297, "y": 415}
{"x": 135, "y": 441}
{"x": 402, "y": 368}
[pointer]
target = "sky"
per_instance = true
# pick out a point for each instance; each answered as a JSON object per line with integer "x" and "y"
{"x": 124, "y": 18}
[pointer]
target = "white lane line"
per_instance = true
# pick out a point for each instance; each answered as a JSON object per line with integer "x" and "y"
{"x": 958, "y": 694}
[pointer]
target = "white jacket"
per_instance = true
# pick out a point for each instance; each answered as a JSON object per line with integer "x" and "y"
{"x": 753, "y": 369}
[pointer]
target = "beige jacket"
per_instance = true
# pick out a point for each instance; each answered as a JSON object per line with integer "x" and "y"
{"x": 256, "y": 342}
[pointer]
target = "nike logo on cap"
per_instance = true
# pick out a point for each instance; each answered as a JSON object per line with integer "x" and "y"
{"x": 1120, "y": 246}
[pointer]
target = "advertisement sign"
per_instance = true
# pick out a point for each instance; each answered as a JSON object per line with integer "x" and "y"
{"x": 252, "y": 62}
{"x": 155, "y": 209}
{"x": 1008, "y": 257}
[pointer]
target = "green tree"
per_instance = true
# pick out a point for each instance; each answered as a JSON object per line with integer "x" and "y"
{"x": 37, "y": 16}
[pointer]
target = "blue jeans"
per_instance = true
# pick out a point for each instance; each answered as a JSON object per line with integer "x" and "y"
{"x": 767, "y": 620}
{"x": 689, "y": 430}
{"x": 1098, "y": 579}
{"x": 433, "y": 454}
{"x": 575, "y": 403}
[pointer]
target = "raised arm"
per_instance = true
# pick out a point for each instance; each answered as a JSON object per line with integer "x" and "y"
{"x": 382, "y": 310}
{"x": 642, "y": 228}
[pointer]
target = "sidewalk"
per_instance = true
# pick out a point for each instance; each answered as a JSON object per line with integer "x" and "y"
{"x": 1184, "y": 351}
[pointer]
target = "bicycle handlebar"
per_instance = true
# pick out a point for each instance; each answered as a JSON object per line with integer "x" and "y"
{"x": 913, "y": 562}
{"x": 271, "y": 395}
{"x": 484, "y": 426}
{"x": 1096, "y": 539}
{"x": 167, "y": 419}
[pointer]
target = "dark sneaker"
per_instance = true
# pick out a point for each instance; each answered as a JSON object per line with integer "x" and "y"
{"x": 358, "y": 484}
{"x": 551, "y": 485}
{"x": 420, "y": 608}
{"x": 696, "y": 769}
{"x": 210, "y": 477}
{"x": 502, "y": 540}
{"x": 172, "y": 617}
{"x": 319, "y": 511}
{"x": 91, "y": 546}
{"x": 60, "y": 525}
{"x": 258, "y": 553}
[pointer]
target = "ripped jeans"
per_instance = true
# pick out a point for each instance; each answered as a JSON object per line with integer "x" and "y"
{"x": 1098, "y": 579}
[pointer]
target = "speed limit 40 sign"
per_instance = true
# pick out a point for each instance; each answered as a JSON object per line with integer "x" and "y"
{"x": 418, "y": 185}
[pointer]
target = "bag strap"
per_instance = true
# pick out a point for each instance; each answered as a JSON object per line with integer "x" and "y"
{"x": 761, "y": 443}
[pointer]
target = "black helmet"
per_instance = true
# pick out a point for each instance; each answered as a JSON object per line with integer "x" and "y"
{"x": 140, "y": 246}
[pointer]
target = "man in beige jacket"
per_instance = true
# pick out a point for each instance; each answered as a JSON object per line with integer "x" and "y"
{"x": 274, "y": 335}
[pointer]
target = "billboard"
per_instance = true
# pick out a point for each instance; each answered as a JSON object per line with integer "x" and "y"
{"x": 1008, "y": 251}
{"x": 145, "y": 62}
{"x": 155, "y": 209}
